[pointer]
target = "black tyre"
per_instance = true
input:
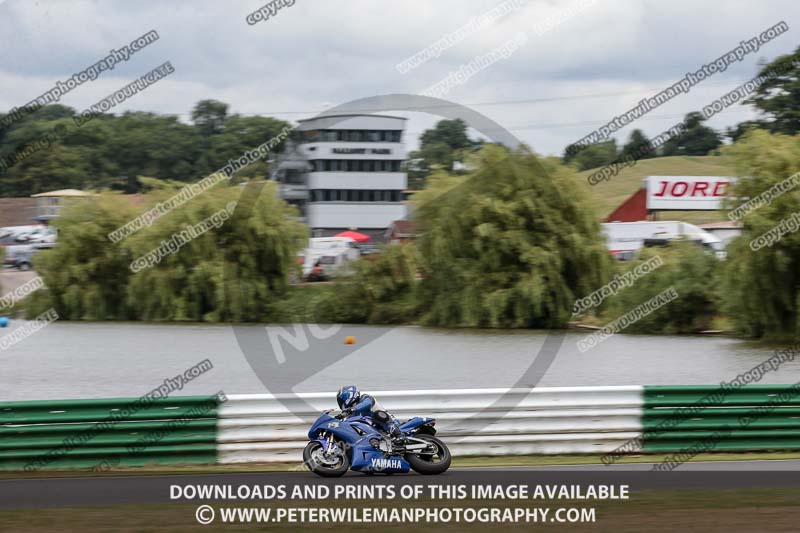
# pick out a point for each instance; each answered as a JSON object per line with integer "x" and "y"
{"x": 24, "y": 266}
{"x": 316, "y": 461}
{"x": 435, "y": 460}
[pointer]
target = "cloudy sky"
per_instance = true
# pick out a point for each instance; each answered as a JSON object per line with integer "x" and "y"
{"x": 582, "y": 62}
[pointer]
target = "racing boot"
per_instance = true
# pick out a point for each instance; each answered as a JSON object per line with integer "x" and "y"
{"x": 397, "y": 439}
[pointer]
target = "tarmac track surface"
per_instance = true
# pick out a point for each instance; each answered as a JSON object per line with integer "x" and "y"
{"x": 155, "y": 489}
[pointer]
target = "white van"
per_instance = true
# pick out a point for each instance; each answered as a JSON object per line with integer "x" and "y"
{"x": 624, "y": 239}
{"x": 331, "y": 252}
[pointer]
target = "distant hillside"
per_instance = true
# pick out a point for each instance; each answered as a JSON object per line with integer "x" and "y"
{"x": 608, "y": 195}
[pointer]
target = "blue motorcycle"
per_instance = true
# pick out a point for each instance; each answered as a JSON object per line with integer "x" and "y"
{"x": 342, "y": 442}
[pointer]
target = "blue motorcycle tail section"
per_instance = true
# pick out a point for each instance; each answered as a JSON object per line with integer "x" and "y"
{"x": 414, "y": 423}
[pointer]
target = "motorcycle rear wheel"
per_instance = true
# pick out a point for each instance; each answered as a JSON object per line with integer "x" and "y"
{"x": 311, "y": 454}
{"x": 430, "y": 464}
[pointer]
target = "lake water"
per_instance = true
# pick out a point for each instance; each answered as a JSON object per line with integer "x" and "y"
{"x": 87, "y": 360}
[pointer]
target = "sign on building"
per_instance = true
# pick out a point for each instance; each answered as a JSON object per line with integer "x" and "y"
{"x": 687, "y": 193}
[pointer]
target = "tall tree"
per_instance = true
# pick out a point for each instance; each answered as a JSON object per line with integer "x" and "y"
{"x": 110, "y": 151}
{"x": 209, "y": 116}
{"x": 761, "y": 280}
{"x": 698, "y": 139}
{"x": 638, "y": 146}
{"x": 440, "y": 147}
{"x": 778, "y": 97}
{"x": 595, "y": 155}
{"x": 512, "y": 243}
{"x": 738, "y": 131}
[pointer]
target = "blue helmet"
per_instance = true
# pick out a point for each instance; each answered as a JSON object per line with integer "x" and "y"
{"x": 348, "y": 396}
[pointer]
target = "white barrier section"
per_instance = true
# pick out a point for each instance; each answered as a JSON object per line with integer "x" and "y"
{"x": 261, "y": 428}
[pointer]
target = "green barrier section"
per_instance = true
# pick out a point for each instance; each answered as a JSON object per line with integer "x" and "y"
{"x": 104, "y": 433}
{"x": 712, "y": 418}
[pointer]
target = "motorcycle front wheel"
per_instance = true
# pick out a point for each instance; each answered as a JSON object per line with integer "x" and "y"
{"x": 435, "y": 459}
{"x": 322, "y": 465}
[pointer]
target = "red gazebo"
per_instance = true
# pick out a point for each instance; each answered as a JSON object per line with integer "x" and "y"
{"x": 356, "y": 236}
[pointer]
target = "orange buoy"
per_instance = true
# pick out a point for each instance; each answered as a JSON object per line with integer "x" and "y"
{"x": 349, "y": 340}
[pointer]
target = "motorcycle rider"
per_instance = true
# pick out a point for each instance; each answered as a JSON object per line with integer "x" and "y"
{"x": 352, "y": 402}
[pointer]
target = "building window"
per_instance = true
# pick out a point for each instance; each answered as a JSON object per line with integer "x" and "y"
{"x": 352, "y": 135}
{"x": 354, "y": 195}
{"x": 356, "y": 165}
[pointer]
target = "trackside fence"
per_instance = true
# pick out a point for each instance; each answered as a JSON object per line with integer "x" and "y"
{"x": 102, "y": 434}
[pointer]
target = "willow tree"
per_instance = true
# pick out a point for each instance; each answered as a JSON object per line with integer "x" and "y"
{"x": 761, "y": 282}
{"x": 233, "y": 267}
{"x": 511, "y": 244}
{"x": 86, "y": 274}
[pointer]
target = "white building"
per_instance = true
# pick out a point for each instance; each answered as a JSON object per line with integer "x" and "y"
{"x": 346, "y": 172}
{"x": 725, "y": 231}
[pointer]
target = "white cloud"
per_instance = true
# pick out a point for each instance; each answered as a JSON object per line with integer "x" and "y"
{"x": 332, "y": 51}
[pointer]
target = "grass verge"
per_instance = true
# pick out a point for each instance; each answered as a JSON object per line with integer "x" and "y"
{"x": 458, "y": 462}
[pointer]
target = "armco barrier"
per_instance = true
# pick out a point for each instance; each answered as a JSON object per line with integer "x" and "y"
{"x": 266, "y": 428}
{"x": 108, "y": 432}
{"x": 751, "y": 418}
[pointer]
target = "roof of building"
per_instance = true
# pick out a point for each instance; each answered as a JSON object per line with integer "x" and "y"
{"x": 63, "y": 193}
{"x": 402, "y": 228}
{"x": 633, "y": 209}
{"x": 342, "y": 115}
{"x": 727, "y": 224}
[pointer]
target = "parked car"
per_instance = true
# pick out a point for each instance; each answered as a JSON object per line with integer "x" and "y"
{"x": 9, "y": 234}
{"x": 42, "y": 234}
{"x": 19, "y": 256}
